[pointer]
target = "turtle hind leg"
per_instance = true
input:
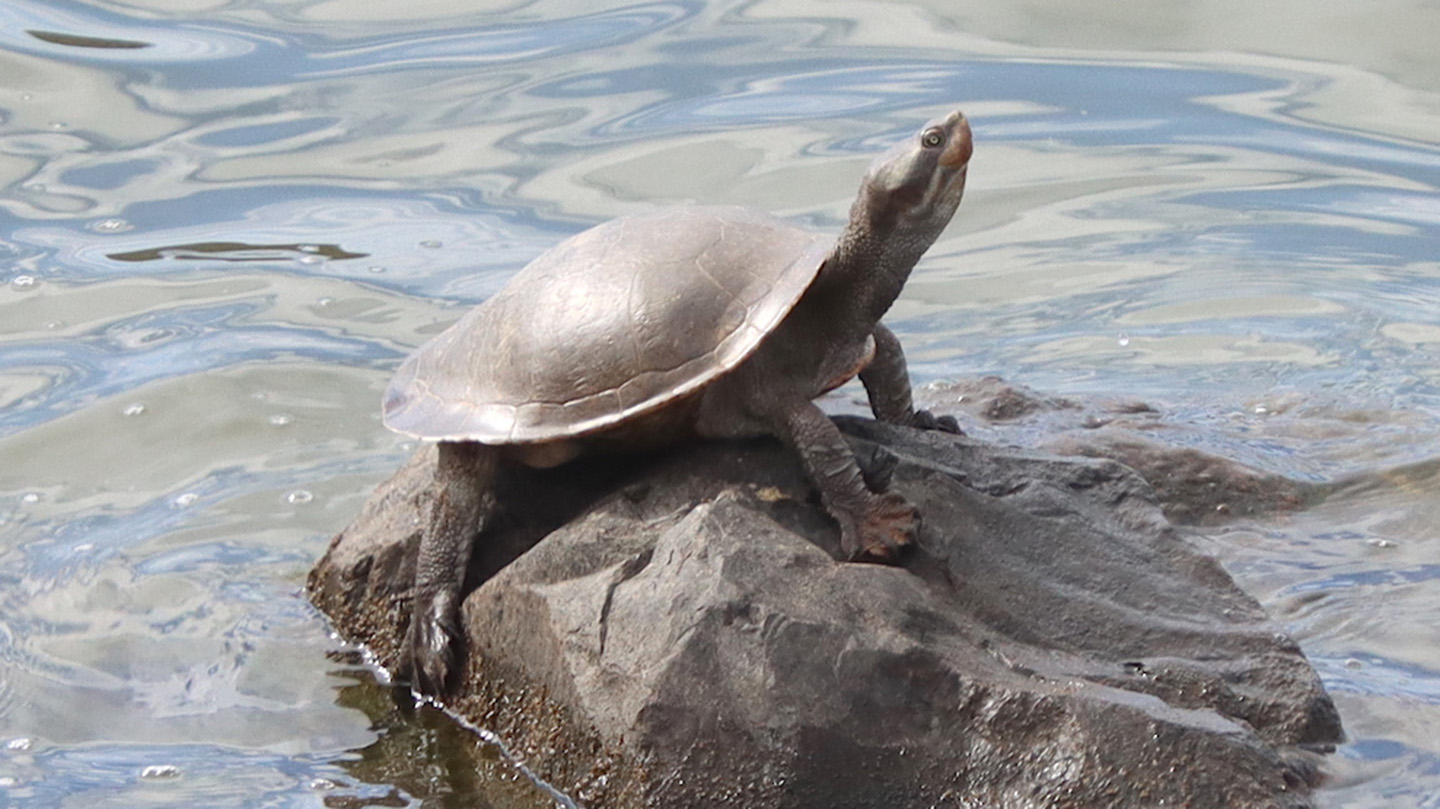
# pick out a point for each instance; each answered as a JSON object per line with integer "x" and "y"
{"x": 463, "y": 502}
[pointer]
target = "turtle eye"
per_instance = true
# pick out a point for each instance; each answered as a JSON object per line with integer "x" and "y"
{"x": 932, "y": 138}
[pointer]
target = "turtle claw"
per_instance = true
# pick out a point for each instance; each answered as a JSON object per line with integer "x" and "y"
{"x": 877, "y": 468}
{"x": 427, "y": 659}
{"x": 888, "y": 527}
{"x": 926, "y": 420}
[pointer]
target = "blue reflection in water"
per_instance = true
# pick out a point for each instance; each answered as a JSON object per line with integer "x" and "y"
{"x": 1371, "y": 674}
{"x": 58, "y": 551}
{"x": 213, "y": 776}
{"x": 1300, "y": 238}
{"x": 389, "y": 228}
{"x": 1090, "y": 103}
{"x": 1377, "y": 578}
{"x": 496, "y": 43}
{"x": 190, "y": 506}
{"x": 160, "y": 345}
{"x": 108, "y": 176}
{"x": 196, "y": 55}
{"x": 270, "y": 132}
{"x": 167, "y": 44}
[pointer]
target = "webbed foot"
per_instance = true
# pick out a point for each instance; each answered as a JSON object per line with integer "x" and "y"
{"x": 460, "y": 507}
{"x": 877, "y": 468}
{"x": 431, "y": 645}
{"x": 926, "y": 420}
{"x": 889, "y": 525}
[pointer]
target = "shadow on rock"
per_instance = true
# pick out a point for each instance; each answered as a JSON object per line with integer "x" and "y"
{"x": 675, "y": 631}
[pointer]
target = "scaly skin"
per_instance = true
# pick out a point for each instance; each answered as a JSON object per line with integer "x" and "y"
{"x": 906, "y": 200}
{"x": 887, "y": 385}
{"x": 461, "y": 506}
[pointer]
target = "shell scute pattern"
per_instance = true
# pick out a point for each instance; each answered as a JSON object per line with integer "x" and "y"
{"x": 614, "y": 322}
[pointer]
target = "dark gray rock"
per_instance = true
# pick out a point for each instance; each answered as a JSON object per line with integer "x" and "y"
{"x": 682, "y": 636}
{"x": 1194, "y": 487}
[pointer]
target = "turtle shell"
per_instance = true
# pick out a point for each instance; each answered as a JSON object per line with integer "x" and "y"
{"x": 610, "y": 324}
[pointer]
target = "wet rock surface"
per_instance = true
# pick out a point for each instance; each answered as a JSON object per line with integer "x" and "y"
{"x": 681, "y": 634}
{"x": 1193, "y": 486}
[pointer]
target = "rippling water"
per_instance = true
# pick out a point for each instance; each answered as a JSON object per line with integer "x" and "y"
{"x": 222, "y": 224}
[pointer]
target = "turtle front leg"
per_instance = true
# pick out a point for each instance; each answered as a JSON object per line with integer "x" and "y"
{"x": 873, "y": 526}
{"x": 887, "y": 384}
{"x": 461, "y": 505}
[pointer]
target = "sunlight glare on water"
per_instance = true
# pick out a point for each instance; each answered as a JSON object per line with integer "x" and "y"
{"x": 222, "y": 224}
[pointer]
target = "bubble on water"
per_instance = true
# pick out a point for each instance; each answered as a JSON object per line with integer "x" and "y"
{"x": 308, "y": 259}
{"x": 1123, "y": 340}
{"x": 9, "y": 781}
{"x": 432, "y": 243}
{"x": 377, "y": 268}
{"x": 280, "y": 419}
{"x": 30, "y": 497}
{"x": 20, "y": 744}
{"x": 1354, "y": 663}
{"x": 133, "y": 409}
{"x": 1260, "y": 410}
{"x": 1377, "y": 542}
{"x": 54, "y": 324}
{"x": 27, "y": 96}
{"x": 324, "y": 302}
{"x": 58, "y": 124}
{"x": 323, "y": 784}
{"x": 23, "y": 281}
{"x": 155, "y": 772}
{"x": 186, "y": 499}
{"x": 299, "y": 497}
{"x": 111, "y": 226}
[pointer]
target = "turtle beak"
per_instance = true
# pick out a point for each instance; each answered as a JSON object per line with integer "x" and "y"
{"x": 961, "y": 144}
{"x": 915, "y": 183}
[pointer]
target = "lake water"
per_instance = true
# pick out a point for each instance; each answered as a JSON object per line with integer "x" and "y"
{"x": 223, "y": 222}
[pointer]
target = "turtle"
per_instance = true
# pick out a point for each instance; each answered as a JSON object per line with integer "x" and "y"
{"x": 650, "y": 330}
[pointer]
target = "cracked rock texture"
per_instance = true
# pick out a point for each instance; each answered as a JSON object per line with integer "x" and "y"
{"x": 675, "y": 631}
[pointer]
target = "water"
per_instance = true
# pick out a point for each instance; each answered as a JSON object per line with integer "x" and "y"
{"x": 222, "y": 224}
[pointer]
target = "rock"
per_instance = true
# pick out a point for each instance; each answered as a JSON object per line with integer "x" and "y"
{"x": 1194, "y": 487}
{"x": 681, "y": 635}
{"x": 992, "y": 399}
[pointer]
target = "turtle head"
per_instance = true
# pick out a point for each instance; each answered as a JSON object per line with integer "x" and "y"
{"x": 913, "y": 189}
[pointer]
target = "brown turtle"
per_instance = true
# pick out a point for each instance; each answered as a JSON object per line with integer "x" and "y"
{"x": 647, "y": 330}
